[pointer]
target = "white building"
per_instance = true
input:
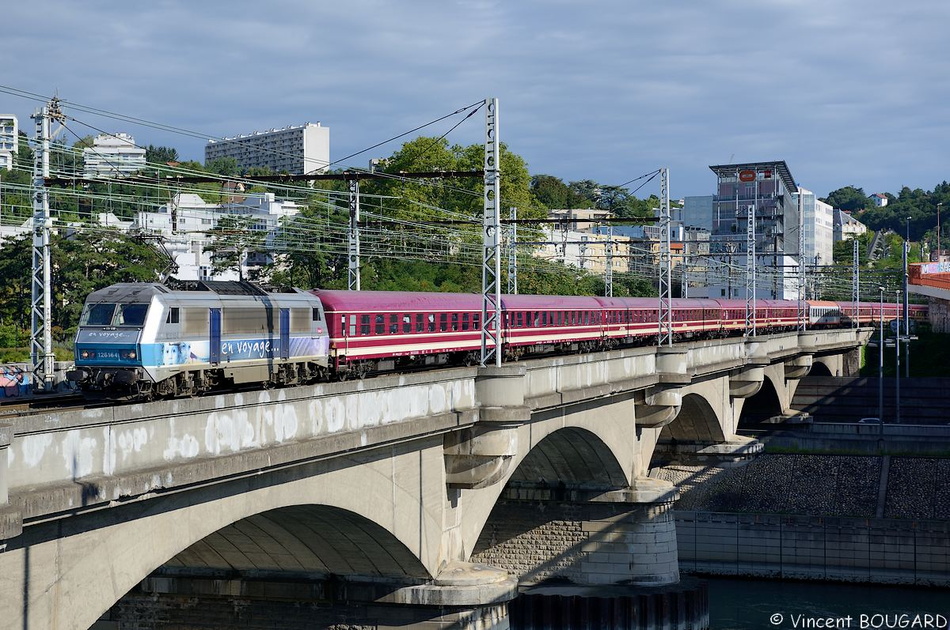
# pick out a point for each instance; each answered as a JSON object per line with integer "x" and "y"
{"x": 185, "y": 221}
{"x": 112, "y": 155}
{"x": 847, "y": 227}
{"x": 296, "y": 150}
{"x": 586, "y": 250}
{"x": 819, "y": 224}
{"x": 879, "y": 199}
{"x": 9, "y": 138}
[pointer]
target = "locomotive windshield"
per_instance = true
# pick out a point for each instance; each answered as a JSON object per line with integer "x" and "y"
{"x": 114, "y": 315}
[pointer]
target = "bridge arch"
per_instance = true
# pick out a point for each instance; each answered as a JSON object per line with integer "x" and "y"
{"x": 820, "y": 368}
{"x": 309, "y": 540}
{"x": 764, "y": 404}
{"x": 572, "y": 456}
{"x": 589, "y": 455}
{"x": 696, "y": 422}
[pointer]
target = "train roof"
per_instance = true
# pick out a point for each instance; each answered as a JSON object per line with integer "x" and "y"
{"x": 339, "y": 300}
{"x": 127, "y": 292}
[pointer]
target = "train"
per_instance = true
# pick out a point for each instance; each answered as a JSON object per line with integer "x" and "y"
{"x": 147, "y": 340}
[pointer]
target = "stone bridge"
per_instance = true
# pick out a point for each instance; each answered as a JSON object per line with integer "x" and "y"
{"x": 426, "y": 497}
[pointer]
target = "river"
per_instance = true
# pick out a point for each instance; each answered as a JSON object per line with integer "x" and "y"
{"x": 739, "y": 604}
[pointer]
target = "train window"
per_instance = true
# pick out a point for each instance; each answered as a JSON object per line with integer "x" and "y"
{"x": 465, "y": 321}
{"x": 364, "y": 324}
{"x": 519, "y": 319}
{"x": 420, "y": 322}
{"x": 132, "y": 314}
{"x": 380, "y": 324}
{"x": 455, "y": 321}
{"x": 431, "y": 323}
{"x": 174, "y": 315}
{"x": 315, "y": 315}
{"x": 98, "y": 315}
{"x": 407, "y": 323}
{"x": 476, "y": 321}
{"x": 443, "y": 322}
{"x": 393, "y": 324}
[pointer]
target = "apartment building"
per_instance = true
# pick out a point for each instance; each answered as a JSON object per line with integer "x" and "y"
{"x": 296, "y": 150}
{"x": 112, "y": 155}
{"x": 9, "y": 139}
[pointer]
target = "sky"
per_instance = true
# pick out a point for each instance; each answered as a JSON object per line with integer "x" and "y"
{"x": 847, "y": 92}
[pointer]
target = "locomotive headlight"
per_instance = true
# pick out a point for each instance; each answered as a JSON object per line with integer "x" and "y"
{"x": 127, "y": 354}
{"x": 87, "y": 354}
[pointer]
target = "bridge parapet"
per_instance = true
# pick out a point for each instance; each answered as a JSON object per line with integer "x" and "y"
{"x": 816, "y": 341}
{"x": 6, "y": 436}
{"x": 72, "y": 459}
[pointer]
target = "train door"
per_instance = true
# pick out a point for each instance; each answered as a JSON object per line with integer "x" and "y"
{"x": 285, "y": 333}
{"x": 214, "y": 354}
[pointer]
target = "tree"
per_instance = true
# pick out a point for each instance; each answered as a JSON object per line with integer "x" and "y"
{"x": 848, "y": 198}
{"x": 223, "y": 166}
{"x": 233, "y": 239}
{"x": 553, "y": 193}
{"x": 160, "y": 155}
{"x": 85, "y": 261}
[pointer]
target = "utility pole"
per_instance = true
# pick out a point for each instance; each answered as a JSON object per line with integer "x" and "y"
{"x": 802, "y": 305}
{"x": 897, "y": 367}
{"x": 750, "y": 271}
{"x": 906, "y": 303}
{"x": 41, "y": 340}
{"x": 855, "y": 281}
{"x": 353, "y": 238}
{"x": 513, "y": 252}
{"x": 609, "y": 272}
{"x": 880, "y": 364}
{"x": 491, "y": 228}
{"x": 666, "y": 302}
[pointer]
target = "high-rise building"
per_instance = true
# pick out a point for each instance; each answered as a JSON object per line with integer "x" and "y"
{"x": 112, "y": 155}
{"x": 9, "y": 137}
{"x": 765, "y": 192}
{"x": 296, "y": 150}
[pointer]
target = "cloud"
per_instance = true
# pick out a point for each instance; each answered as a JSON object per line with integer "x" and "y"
{"x": 846, "y": 91}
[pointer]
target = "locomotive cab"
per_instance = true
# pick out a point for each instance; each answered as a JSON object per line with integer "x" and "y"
{"x": 108, "y": 345}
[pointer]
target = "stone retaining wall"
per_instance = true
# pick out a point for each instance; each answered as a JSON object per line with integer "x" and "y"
{"x": 887, "y": 551}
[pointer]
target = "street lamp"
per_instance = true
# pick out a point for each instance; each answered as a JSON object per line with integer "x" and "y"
{"x": 897, "y": 369}
{"x": 938, "y": 231}
{"x": 880, "y": 365}
{"x": 906, "y": 304}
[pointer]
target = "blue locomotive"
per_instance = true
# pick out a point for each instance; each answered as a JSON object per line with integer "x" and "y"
{"x": 145, "y": 340}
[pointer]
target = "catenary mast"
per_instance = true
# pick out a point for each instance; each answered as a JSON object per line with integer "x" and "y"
{"x": 41, "y": 339}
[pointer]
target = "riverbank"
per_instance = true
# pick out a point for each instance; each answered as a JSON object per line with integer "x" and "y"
{"x": 819, "y": 517}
